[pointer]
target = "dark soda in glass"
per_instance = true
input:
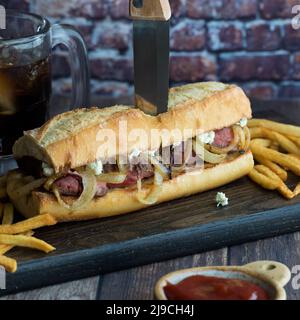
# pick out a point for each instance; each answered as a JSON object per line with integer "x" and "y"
{"x": 24, "y": 100}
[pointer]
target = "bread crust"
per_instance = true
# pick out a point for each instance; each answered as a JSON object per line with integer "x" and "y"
{"x": 75, "y": 138}
{"x": 121, "y": 201}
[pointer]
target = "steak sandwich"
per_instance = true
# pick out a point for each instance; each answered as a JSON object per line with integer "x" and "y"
{"x": 83, "y": 165}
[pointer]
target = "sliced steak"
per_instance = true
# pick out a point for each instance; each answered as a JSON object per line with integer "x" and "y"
{"x": 141, "y": 171}
{"x": 102, "y": 189}
{"x": 223, "y": 137}
{"x": 71, "y": 185}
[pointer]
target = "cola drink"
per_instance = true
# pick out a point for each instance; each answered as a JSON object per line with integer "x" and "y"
{"x": 24, "y": 100}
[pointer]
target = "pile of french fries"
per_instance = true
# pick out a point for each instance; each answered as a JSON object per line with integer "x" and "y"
{"x": 276, "y": 149}
{"x": 19, "y": 234}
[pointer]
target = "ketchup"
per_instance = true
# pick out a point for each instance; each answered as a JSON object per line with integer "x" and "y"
{"x": 212, "y": 288}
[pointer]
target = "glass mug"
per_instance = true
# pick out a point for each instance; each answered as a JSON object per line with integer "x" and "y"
{"x": 25, "y": 74}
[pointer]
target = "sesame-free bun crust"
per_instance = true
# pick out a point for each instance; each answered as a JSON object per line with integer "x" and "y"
{"x": 75, "y": 138}
{"x": 120, "y": 201}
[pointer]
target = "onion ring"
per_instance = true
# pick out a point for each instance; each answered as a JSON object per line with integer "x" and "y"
{"x": 206, "y": 155}
{"x": 247, "y": 138}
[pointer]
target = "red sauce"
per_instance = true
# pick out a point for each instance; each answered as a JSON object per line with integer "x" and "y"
{"x": 212, "y": 288}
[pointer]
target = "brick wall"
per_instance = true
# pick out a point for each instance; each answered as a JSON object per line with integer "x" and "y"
{"x": 249, "y": 42}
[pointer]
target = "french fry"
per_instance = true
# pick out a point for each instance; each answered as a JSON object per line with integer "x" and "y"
{"x": 296, "y": 140}
{"x": 25, "y": 241}
{"x": 263, "y": 180}
{"x": 284, "y": 160}
{"x": 9, "y": 264}
{"x": 3, "y": 193}
{"x": 4, "y": 248}
{"x": 8, "y": 214}
{"x": 256, "y": 132}
{"x": 297, "y": 190}
{"x": 284, "y": 142}
{"x": 273, "y": 166}
{"x": 266, "y": 143}
{"x": 282, "y": 187}
{"x": 274, "y": 146}
{"x": 29, "y": 224}
{"x": 294, "y": 156}
{"x": 285, "y": 129}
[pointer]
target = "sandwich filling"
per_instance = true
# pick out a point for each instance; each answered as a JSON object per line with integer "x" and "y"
{"x": 75, "y": 188}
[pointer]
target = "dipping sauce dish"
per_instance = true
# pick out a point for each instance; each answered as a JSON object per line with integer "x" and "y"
{"x": 261, "y": 280}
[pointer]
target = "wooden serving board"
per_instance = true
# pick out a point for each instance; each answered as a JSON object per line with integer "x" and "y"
{"x": 177, "y": 228}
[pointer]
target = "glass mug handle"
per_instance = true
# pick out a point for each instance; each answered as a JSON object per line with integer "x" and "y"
{"x": 71, "y": 38}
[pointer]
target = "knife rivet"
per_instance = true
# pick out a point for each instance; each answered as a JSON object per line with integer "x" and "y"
{"x": 138, "y": 3}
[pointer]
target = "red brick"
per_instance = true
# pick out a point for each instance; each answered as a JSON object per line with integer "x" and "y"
{"x": 60, "y": 64}
{"x": 258, "y": 66}
{"x": 221, "y": 9}
{"x": 57, "y": 8}
{"x": 262, "y": 91}
{"x": 109, "y": 65}
{"x": 263, "y": 36}
{"x": 291, "y": 38}
{"x": 290, "y": 90}
{"x": 111, "y": 88}
{"x": 192, "y": 68}
{"x": 78, "y": 8}
{"x": 188, "y": 35}
{"x": 115, "y": 35}
{"x": 119, "y": 9}
{"x": 277, "y": 8}
{"x": 225, "y": 36}
{"x": 295, "y": 67}
{"x": 91, "y": 8}
{"x": 178, "y": 8}
{"x": 84, "y": 26}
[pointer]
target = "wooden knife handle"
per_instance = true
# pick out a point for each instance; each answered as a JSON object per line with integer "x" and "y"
{"x": 150, "y": 10}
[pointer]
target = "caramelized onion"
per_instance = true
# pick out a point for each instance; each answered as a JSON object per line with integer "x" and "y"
{"x": 247, "y": 138}
{"x": 49, "y": 182}
{"x": 163, "y": 171}
{"x": 176, "y": 171}
{"x": 25, "y": 190}
{"x": 155, "y": 190}
{"x": 242, "y": 138}
{"x": 123, "y": 168}
{"x": 206, "y": 155}
{"x": 89, "y": 190}
{"x": 113, "y": 177}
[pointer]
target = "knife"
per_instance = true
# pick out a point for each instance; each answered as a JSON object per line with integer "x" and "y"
{"x": 151, "y": 34}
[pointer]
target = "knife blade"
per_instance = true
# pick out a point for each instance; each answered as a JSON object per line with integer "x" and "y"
{"x": 151, "y": 33}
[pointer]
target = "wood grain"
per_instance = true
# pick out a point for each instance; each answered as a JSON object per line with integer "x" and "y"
{"x": 138, "y": 283}
{"x": 284, "y": 249}
{"x": 85, "y": 289}
{"x": 177, "y": 228}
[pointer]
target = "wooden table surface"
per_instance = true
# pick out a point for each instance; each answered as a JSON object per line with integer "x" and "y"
{"x": 138, "y": 283}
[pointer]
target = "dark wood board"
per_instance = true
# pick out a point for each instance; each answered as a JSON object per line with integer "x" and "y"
{"x": 177, "y": 228}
